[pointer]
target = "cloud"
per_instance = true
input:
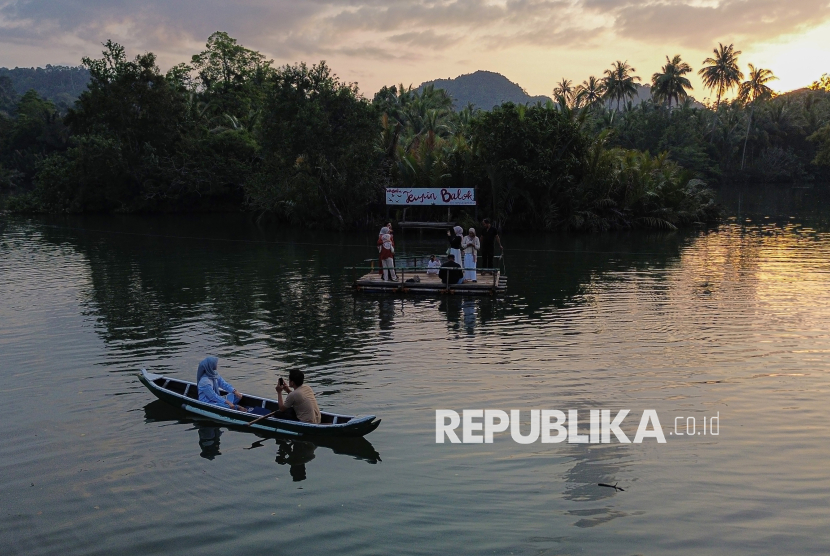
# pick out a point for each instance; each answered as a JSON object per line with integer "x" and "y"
{"x": 698, "y": 24}
{"x": 291, "y": 26}
{"x": 368, "y": 52}
{"x": 428, "y": 39}
{"x": 383, "y": 36}
{"x": 150, "y": 24}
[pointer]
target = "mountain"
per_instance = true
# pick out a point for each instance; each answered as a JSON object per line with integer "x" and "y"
{"x": 484, "y": 89}
{"x": 644, "y": 94}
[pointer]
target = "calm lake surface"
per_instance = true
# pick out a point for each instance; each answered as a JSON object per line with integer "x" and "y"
{"x": 729, "y": 322}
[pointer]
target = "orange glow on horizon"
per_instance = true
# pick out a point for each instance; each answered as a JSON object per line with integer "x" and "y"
{"x": 795, "y": 59}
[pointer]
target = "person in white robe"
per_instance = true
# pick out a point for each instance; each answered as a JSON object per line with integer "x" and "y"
{"x": 470, "y": 246}
{"x": 433, "y": 265}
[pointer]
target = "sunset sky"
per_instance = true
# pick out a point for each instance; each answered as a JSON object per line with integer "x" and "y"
{"x": 378, "y": 42}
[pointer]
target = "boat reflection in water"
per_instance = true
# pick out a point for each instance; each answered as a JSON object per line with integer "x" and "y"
{"x": 290, "y": 451}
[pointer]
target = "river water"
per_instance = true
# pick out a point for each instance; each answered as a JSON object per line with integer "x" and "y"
{"x": 728, "y": 322}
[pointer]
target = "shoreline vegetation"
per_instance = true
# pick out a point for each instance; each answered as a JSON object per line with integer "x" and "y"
{"x": 230, "y": 132}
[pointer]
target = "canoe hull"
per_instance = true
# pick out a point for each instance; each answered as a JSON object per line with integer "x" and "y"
{"x": 181, "y": 394}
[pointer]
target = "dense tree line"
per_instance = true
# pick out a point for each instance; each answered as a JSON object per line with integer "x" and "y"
{"x": 755, "y": 137}
{"x": 229, "y": 131}
{"x": 60, "y": 84}
{"x": 225, "y": 132}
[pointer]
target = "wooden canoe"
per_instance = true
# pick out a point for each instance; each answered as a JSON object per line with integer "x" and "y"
{"x": 184, "y": 394}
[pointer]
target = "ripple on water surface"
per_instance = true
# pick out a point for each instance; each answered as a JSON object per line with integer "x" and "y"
{"x": 729, "y": 321}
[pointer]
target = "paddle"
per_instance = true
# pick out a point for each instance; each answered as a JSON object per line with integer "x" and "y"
{"x": 249, "y": 423}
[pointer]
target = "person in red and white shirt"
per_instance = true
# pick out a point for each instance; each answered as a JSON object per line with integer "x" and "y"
{"x": 386, "y": 249}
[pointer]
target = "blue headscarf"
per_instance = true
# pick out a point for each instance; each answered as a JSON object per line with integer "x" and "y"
{"x": 208, "y": 368}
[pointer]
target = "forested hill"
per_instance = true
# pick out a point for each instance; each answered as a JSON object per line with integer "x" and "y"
{"x": 484, "y": 89}
{"x": 60, "y": 84}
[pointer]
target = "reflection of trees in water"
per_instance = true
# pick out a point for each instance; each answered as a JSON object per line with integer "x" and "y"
{"x": 295, "y": 299}
{"x": 148, "y": 289}
{"x": 560, "y": 269}
{"x": 809, "y": 205}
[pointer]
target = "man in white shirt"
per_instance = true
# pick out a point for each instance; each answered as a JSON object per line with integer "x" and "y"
{"x": 433, "y": 265}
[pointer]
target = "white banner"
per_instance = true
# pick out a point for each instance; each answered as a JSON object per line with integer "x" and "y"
{"x": 426, "y": 196}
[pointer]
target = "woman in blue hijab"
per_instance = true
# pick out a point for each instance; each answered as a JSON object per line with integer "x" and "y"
{"x": 210, "y": 382}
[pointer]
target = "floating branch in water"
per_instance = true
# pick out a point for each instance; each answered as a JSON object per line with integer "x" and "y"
{"x": 614, "y": 486}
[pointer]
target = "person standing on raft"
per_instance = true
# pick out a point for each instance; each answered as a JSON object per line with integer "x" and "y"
{"x": 470, "y": 246}
{"x": 386, "y": 249}
{"x": 454, "y": 237}
{"x": 385, "y": 230}
{"x": 489, "y": 238}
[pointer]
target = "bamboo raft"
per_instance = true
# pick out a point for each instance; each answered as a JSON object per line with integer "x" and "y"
{"x": 415, "y": 280}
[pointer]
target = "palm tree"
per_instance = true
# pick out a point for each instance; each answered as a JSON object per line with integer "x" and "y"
{"x": 671, "y": 83}
{"x": 752, "y": 90}
{"x": 619, "y": 83}
{"x": 437, "y": 99}
{"x": 563, "y": 88}
{"x": 591, "y": 91}
{"x": 722, "y": 72}
{"x": 420, "y": 111}
{"x": 564, "y": 91}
